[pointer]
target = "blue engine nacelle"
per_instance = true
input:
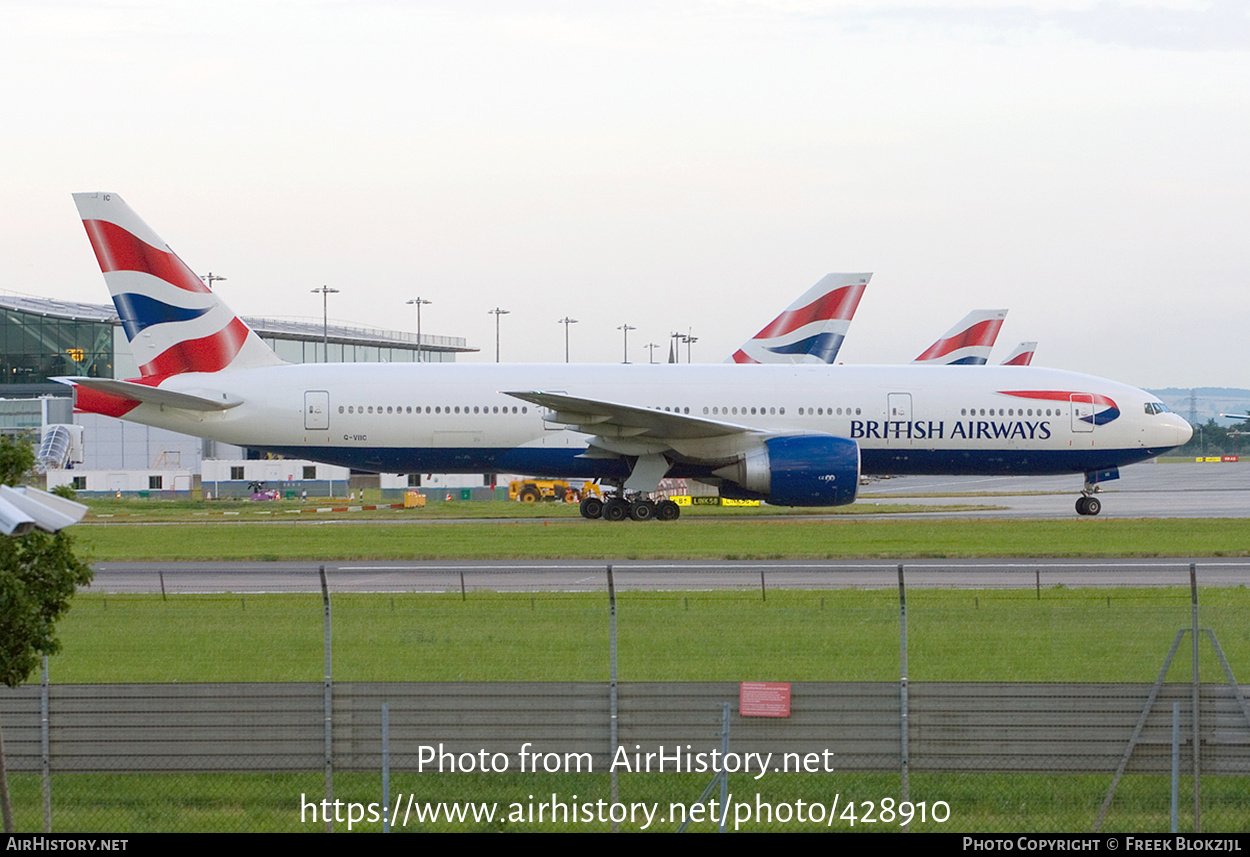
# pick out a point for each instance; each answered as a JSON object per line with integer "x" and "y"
{"x": 804, "y": 470}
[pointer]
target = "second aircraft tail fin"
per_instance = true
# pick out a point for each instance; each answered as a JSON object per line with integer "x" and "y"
{"x": 812, "y": 328}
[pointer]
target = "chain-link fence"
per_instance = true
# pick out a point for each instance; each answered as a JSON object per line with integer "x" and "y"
{"x": 468, "y": 702}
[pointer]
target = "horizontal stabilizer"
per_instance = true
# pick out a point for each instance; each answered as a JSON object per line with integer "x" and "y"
{"x": 157, "y": 396}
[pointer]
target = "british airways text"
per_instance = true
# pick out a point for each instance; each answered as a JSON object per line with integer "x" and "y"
{"x": 938, "y": 430}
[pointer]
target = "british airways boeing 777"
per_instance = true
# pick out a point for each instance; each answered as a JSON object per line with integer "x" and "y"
{"x": 793, "y": 435}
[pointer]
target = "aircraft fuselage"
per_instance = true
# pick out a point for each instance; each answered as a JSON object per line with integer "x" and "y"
{"x": 424, "y": 418}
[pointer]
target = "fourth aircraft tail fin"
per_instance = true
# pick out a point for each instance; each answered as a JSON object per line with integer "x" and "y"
{"x": 1022, "y": 356}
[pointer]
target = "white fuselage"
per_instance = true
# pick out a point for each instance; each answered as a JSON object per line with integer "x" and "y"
{"x": 459, "y": 417}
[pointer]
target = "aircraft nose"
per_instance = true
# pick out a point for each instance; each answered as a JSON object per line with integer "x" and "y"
{"x": 1184, "y": 431}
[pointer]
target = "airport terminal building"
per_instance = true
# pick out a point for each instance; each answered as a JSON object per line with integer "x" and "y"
{"x": 42, "y": 339}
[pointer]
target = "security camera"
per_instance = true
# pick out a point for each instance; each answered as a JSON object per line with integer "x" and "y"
{"x": 23, "y": 509}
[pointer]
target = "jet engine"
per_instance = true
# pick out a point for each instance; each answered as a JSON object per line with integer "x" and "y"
{"x": 800, "y": 470}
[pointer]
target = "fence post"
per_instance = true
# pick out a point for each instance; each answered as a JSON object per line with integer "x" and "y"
{"x": 386, "y": 768}
{"x": 1176, "y": 765}
{"x": 904, "y": 751}
{"x": 613, "y": 722}
{"x": 724, "y": 751}
{"x": 1195, "y": 686}
{"x": 328, "y": 698}
{"x": 45, "y": 749}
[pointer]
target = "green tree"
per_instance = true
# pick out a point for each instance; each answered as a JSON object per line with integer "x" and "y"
{"x": 39, "y": 573}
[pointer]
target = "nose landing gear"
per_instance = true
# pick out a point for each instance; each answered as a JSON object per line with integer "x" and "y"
{"x": 1086, "y": 505}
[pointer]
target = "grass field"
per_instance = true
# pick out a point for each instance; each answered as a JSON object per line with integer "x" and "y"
{"x": 842, "y": 635}
{"x": 142, "y": 510}
{"x": 693, "y": 537}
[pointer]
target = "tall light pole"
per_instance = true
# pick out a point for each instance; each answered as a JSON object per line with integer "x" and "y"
{"x": 326, "y": 291}
{"x": 496, "y": 312}
{"x": 211, "y": 278}
{"x": 419, "y": 302}
{"x": 689, "y": 340}
{"x": 651, "y": 346}
{"x": 566, "y": 321}
{"x": 626, "y": 328}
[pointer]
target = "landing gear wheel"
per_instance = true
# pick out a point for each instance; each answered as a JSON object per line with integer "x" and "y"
{"x": 642, "y": 510}
{"x": 615, "y": 509}
{"x": 1088, "y": 506}
{"x": 591, "y": 507}
{"x": 667, "y": 510}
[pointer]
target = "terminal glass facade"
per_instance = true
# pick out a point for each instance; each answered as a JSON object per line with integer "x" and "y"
{"x": 35, "y": 348}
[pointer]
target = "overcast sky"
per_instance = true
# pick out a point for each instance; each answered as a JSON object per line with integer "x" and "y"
{"x": 671, "y": 165}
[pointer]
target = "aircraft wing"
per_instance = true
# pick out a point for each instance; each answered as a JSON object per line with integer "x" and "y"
{"x": 155, "y": 395}
{"x": 612, "y": 419}
{"x": 653, "y": 440}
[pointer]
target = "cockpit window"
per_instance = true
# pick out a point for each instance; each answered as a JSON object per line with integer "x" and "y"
{"x": 1156, "y": 408}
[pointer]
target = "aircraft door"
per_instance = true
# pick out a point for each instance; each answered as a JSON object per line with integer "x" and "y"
{"x": 900, "y": 407}
{"x": 1082, "y": 412}
{"x": 316, "y": 409}
{"x": 898, "y": 419}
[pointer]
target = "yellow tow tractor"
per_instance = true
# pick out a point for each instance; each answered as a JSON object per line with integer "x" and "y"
{"x": 550, "y": 491}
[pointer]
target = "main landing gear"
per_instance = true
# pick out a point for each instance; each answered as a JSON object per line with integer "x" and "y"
{"x": 618, "y": 508}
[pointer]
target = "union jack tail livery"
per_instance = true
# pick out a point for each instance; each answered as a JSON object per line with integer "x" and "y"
{"x": 174, "y": 322}
{"x": 967, "y": 343}
{"x": 1022, "y": 356}
{"x": 812, "y": 328}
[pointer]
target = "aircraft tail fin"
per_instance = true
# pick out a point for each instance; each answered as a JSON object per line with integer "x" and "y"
{"x": 969, "y": 342}
{"x": 175, "y": 323}
{"x": 1022, "y": 356}
{"x": 812, "y": 328}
